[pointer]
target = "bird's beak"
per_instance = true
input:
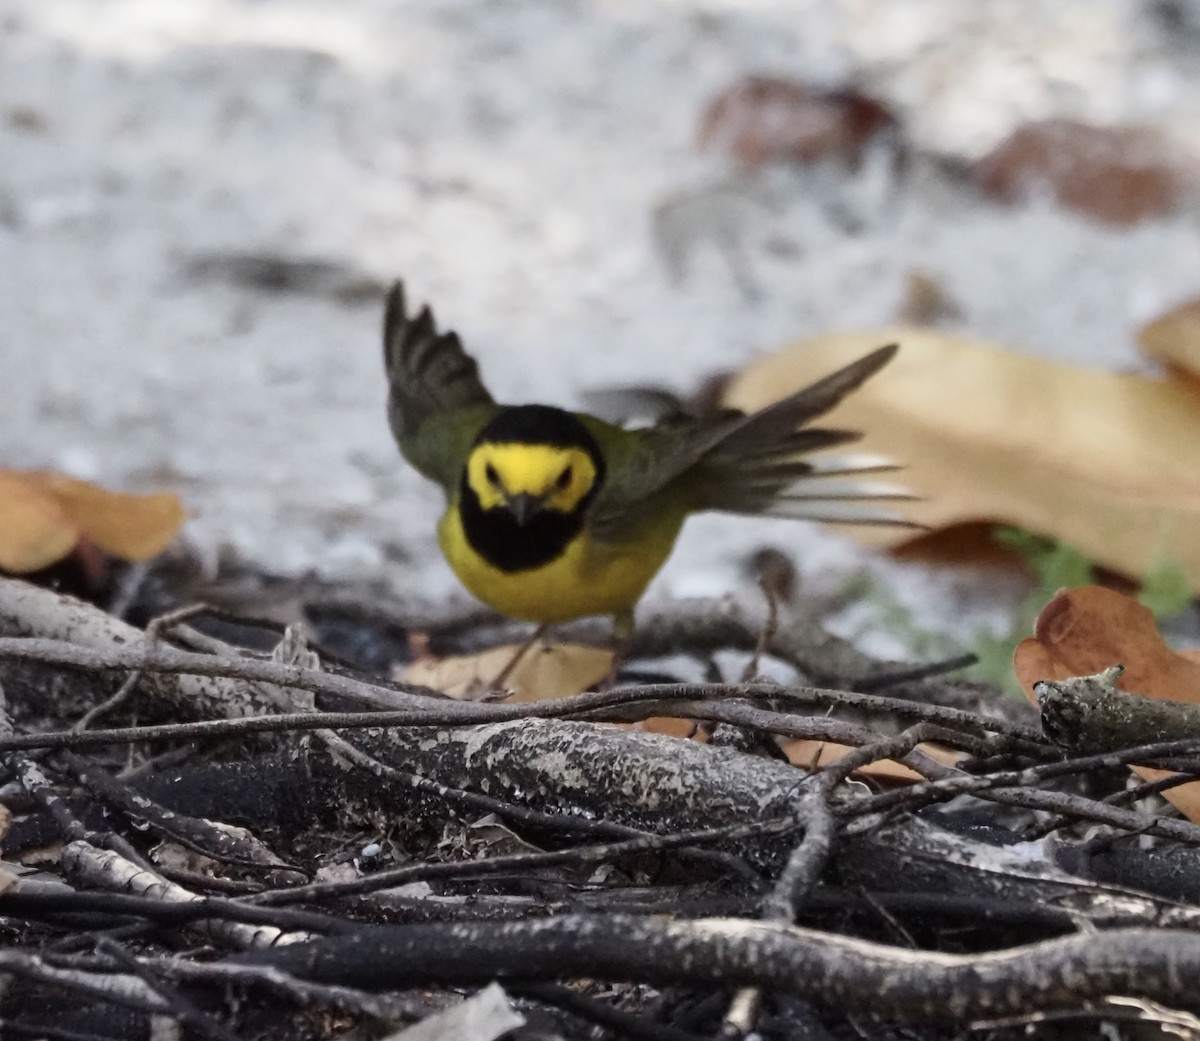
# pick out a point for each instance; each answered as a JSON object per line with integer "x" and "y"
{"x": 524, "y": 507}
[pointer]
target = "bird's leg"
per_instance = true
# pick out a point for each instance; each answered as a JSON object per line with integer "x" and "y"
{"x": 622, "y": 637}
{"x": 504, "y": 673}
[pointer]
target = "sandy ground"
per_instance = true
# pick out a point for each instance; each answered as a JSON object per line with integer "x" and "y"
{"x": 506, "y": 159}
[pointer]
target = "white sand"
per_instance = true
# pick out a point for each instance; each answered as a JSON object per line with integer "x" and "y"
{"x": 505, "y": 159}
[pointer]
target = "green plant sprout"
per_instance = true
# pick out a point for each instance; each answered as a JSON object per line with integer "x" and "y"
{"x": 1165, "y": 590}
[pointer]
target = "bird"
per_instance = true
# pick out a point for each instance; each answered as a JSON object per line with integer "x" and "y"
{"x": 554, "y": 515}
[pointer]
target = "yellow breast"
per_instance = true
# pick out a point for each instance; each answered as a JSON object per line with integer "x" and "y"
{"x": 587, "y": 578}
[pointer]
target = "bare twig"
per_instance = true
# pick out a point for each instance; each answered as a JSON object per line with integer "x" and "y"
{"x": 600, "y": 853}
{"x": 1089, "y": 714}
{"x": 769, "y": 629}
{"x": 895, "y": 983}
{"x": 180, "y": 1007}
{"x": 154, "y": 631}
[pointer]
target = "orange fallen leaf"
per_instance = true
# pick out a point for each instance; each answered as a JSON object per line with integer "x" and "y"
{"x": 133, "y": 527}
{"x": 35, "y": 530}
{"x": 812, "y": 755}
{"x": 672, "y": 726}
{"x": 44, "y": 516}
{"x": 1103, "y": 461}
{"x": 1086, "y": 630}
{"x": 1174, "y": 338}
{"x": 1083, "y": 631}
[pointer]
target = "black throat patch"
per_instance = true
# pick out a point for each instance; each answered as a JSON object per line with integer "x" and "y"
{"x": 495, "y": 534}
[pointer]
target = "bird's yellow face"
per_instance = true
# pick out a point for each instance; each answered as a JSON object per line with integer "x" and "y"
{"x": 528, "y": 478}
{"x": 526, "y": 487}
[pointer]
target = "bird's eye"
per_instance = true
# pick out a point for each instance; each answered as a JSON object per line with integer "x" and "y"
{"x": 564, "y": 479}
{"x": 492, "y": 476}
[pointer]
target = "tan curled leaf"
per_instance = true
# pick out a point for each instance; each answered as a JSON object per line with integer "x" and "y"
{"x": 1174, "y": 338}
{"x": 35, "y": 530}
{"x": 545, "y": 671}
{"x": 132, "y": 527}
{"x": 44, "y": 516}
{"x": 1105, "y": 462}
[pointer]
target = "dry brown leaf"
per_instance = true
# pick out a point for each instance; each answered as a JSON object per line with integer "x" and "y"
{"x": 544, "y": 671}
{"x": 1174, "y": 338}
{"x": 1115, "y": 174}
{"x": 44, "y": 516}
{"x": 1086, "y": 630}
{"x": 972, "y": 542}
{"x": 810, "y": 755}
{"x": 761, "y": 119}
{"x": 1185, "y": 798}
{"x": 1103, "y": 461}
{"x": 672, "y": 726}
{"x": 926, "y": 301}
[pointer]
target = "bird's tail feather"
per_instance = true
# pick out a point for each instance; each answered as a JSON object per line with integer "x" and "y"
{"x": 763, "y": 467}
{"x": 774, "y": 425}
{"x": 835, "y": 489}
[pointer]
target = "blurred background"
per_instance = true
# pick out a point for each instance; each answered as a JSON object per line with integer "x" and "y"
{"x": 201, "y": 203}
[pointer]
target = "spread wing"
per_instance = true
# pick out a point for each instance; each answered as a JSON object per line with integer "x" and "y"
{"x": 741, "y": 463}
{"x": 436, "y": 403}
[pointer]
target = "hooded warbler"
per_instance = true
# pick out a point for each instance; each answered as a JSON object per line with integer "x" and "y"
{"x": 554, "y": 515}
